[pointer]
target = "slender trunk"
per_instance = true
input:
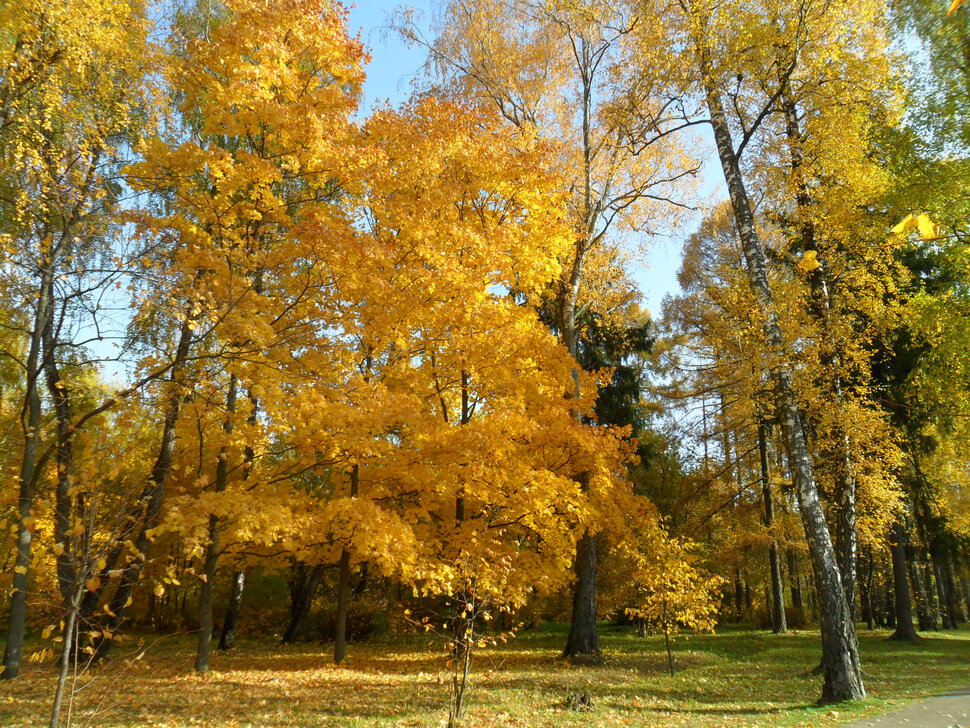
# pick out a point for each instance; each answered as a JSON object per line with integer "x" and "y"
{"x": 206, "y": 626}
{"x": 343, "y": 586}
{"x": 738, "y": 596}
{"x": 153, "y": 494}
{"x": 930, "y": 585}
{"x": 303, "y": 594}
{"x": 903, "y": 608}
{"x": 846, "y": 533}
{"x": 840, "y": 652}
{"x": 924, "y": 612}
{"x": 227, "y": 640}
{"x": 582, "y": 639}
{"x": 796, "y": 580}
{"x": 30, "y": 419}
{"x": 64, "y": 456}
{"x": 67, "y": 649}
{"x": 953, "y": 588}
{"x": 865, "y": 590}
{"x": 464, "y": 642}
{"x": 779, "y": 624}
{"x": 670, "y": 654}
{"x": 943, "y": 594}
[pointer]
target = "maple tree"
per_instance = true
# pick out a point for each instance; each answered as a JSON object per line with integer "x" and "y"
{"x": 396, "y": 360}
{"x": 551, "y": 69}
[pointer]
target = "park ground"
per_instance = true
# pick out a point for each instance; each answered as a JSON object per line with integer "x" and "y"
{"x": 734, "y": 678}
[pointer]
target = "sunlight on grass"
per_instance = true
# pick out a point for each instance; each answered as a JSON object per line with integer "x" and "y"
{"x": 743, "y": 679}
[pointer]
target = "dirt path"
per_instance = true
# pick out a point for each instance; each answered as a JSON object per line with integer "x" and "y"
{"x": 944, "y": 711}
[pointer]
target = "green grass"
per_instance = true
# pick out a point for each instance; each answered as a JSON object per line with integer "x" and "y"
{"x": 734, "y": 678}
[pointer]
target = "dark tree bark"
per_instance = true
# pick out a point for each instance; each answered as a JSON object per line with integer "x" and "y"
{"x": 795, "y": 579}
{"x": 583, "y": 638}
{"x": 841, "y": 668}
{"x": 64, "y": 460}
{"x": 866, "y": 575}
{"x": 30, "y": 420}
{"x": 302, "y": 591}
{"x": 953, "y": 588}
{"x": 343, "y": 586}
{"x": 150, "y": 503}
{"x": 779, "y": 624}
{"x": 227, "y": 640}
{"x": 206, "y": 624}
{"x": 943, "y": 594}
{"x": 924, "y": 611}
{"x": 903, "y": 608}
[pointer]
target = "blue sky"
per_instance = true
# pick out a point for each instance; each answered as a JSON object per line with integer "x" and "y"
{"x": 391, "y": 69}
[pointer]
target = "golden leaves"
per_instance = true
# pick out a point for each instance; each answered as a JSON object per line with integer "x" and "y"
{"x": 927, "y": 229}
{"x": 954, "y": 6}
{"x": 809, "y": 261}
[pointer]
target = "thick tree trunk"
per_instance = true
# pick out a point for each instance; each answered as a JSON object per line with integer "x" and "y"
{"x": 206, "y": 625}
{"x": 583, "y": 639}
{"x": 840, "y": 652}
{"x": 227, "y": 640}
{"x": 779, "y": 624}
{"x": 343, "y": 582}
{"x": 30, "y": 425}
{"x": 903, "y": 608}
{"x": 302, "y": 593}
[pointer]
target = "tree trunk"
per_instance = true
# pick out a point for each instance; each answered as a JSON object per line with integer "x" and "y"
{"x": 944, "y": 596}
{"x": 227, "y": 640}
{"x": 206, "y": 626}
{"x": 930, "y": 586}
{"x": 583, "y": 639}
{"x": 779, "y": 624}
{"x": 924, "y": 612}
{"x": 152, "y": 495}
{"x": 840, "y": 653}
{"x": 846, "y": 534}
{"x": 738, "y": 595}
{"x": 30, "y": 424}
{"x": 796, "y": 581}
{"x": 303, "y": 591}
{"x": 64, "y": 457}
{"x": 903, "y": 608}
{"x": 953, "y": 588}
{"x": 343, "y": 584}
{"x": 67, "y": 653}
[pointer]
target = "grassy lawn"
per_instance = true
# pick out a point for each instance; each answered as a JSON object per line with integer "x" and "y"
{"x": 734, "y": 678}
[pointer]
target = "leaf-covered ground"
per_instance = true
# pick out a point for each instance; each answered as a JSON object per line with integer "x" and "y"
{"x": 731, "y": 679}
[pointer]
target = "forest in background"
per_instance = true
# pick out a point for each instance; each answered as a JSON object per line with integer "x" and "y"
{"x": 273, "y": 367}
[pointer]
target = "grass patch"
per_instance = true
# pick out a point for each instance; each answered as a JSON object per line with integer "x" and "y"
{"x": 734, "y": 678}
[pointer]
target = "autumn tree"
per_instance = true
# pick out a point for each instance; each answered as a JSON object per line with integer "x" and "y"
{"x": 69, "y": 103}
{"x": 552, "y": 70}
